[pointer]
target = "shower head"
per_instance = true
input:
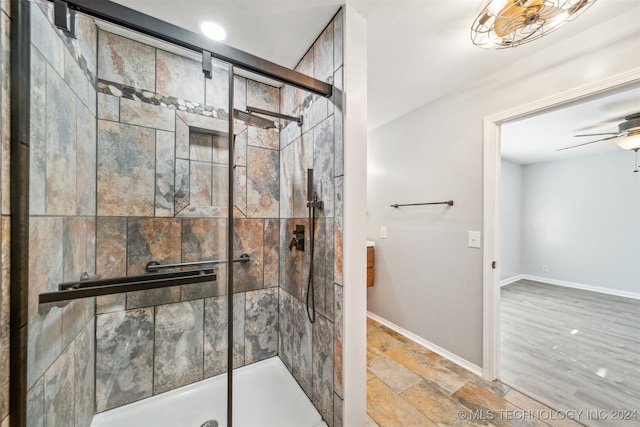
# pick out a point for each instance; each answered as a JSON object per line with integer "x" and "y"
{"x": 251, "y": 119}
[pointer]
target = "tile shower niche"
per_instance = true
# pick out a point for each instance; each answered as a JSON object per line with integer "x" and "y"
{"x": 200, "y": 168}
{"x": 202, "y": 178}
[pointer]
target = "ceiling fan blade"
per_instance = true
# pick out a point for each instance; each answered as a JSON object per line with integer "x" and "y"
{"x": 505, "y": 25}
{"x": 514, "y": 15}
{"x": 587, "y": 143}
{"x": 612, "y": 121}
{"x": 548, "y": 13}
{"x": 596, "y": 134}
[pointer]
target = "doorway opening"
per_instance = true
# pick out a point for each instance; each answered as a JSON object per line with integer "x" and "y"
{"x": 496, "y": 127}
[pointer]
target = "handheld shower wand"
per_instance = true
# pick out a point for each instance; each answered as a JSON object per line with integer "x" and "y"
{"x": 309, "y": 186}
{"x": 312, "y": 203}
{"x": 312, "y": 196}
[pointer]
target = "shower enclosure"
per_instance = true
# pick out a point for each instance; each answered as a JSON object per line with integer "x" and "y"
{"x": 158, "y": 221}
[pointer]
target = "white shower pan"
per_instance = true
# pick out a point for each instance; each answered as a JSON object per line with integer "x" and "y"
{"x": 265, "y": 395}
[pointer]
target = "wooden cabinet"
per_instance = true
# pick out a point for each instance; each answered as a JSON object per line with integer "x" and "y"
{"x": 371, "y": 252}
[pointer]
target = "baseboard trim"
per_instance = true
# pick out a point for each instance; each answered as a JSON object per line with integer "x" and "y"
{"x": 428, "y": 344}
{"x": 625, "y": 294}
{"x": 511, "y": 280}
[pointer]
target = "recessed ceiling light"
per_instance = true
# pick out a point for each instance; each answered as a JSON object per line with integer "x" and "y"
{"x": 213, "y": 31}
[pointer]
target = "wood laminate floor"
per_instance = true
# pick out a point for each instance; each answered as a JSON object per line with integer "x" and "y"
{"x": 573, "y": 350}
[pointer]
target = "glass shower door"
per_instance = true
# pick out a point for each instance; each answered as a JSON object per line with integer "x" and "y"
{"x": 129, "y": 229}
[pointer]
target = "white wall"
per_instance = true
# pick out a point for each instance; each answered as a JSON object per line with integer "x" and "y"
{"x": 581, "y": 218}
{"x": 428, "y": 281}
{"x": 354, "y": 228}
{"x": 510, "y": 219}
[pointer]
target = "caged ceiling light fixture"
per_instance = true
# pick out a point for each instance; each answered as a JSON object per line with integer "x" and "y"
{"x": 509, "y": 23}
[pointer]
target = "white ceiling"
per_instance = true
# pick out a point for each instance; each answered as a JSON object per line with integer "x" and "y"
{"x": 535, "y": 139}
{"x": 418, "y": 50}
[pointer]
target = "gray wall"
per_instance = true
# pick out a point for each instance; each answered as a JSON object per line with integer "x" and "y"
{"x": 581, "y": 218}
{"x": 428, "y": 281}
{"x": 510, "y": 219}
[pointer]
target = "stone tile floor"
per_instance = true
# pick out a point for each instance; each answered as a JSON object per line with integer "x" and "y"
{"x": 408, "y": 385}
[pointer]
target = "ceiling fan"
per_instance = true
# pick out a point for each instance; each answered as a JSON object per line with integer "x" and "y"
{"x": 627, "y": 137}
{"x": 509, "y": 23}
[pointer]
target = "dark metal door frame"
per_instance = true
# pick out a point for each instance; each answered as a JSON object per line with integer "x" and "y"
{"x": 145, "y": 24}
{"x": 230, "y": 235}
{"x": 19, "y": 187}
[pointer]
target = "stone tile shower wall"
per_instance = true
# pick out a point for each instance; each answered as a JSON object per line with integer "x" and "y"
{"x": 313, "y": 353}
{"x": 5, "y": 131}
{"x": 62, "y": 197}
{"x": 162, "y": 184}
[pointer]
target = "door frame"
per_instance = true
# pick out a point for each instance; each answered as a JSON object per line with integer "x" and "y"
{"x": 491, "y": 203}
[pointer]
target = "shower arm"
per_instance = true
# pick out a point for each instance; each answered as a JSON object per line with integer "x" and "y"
{"x": 298, "y": 119}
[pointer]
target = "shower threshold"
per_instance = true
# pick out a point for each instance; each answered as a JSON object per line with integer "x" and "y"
{"x": 265, "y": 394}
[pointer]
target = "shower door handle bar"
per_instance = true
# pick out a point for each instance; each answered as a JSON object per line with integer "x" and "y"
{"x": 94, "y": 288}
{"x": 448, "y": 202}
{"x": 298, "y": 119}
{"x": 154, "y": 266}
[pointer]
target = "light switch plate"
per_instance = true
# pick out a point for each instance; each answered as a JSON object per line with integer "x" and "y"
{"x": 474, "y": 239}
{"x": 383, "y": 232}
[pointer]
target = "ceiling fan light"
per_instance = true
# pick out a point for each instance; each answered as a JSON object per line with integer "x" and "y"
{"x": 629, "y": 142}
{"x": 509, "y": 23}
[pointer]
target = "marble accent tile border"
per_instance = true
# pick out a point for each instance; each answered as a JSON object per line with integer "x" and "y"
{"x": 120, "y": 90}
{"x": 155, "y": 98}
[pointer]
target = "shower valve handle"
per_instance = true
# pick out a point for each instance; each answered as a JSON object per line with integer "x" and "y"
{"x": 293, "y": 244}
{"x": 298, "y": 238}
